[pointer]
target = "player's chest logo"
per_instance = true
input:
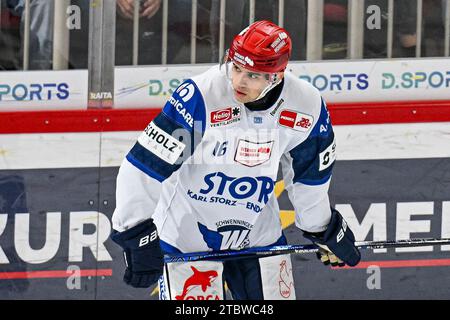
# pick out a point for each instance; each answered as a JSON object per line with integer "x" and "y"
{"x": 252, "y": 154}
{"x": 296, "y": 120}
{"x": 225, "y": 116}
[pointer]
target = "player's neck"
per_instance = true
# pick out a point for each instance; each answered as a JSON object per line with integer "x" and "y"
{"x": 268, "y": 100}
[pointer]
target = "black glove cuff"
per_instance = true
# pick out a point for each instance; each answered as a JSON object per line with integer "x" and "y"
{"x": 120, "y": 238}
{"x": 314, "y": 235}
{"x": 336, "y": 223}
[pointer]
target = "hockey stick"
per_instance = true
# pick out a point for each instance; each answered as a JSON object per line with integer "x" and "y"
{"x": 298, "y": 248}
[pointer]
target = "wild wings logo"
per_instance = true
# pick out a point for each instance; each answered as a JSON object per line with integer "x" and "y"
{"x": 230, "y": 234}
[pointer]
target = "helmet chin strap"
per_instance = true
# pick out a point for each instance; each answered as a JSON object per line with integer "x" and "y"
{"x": 273, "y": 84}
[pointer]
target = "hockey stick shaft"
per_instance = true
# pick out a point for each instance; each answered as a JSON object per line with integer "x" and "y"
{"x": 299, "y": 248}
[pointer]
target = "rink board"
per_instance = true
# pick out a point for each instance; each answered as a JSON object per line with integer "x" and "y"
{"x": 381, "y": 194}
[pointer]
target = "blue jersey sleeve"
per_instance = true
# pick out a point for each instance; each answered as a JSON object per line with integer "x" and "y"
{"x": 173, "y": 135}
{"x": 313, "y": 159}
{"x": 307, "y": 172}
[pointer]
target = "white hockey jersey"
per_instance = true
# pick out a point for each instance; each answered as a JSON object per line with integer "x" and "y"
{"x": 205, "y": 168}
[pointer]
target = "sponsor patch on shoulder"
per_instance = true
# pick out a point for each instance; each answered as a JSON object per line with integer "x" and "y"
{"x": 160, "y": 143}
{"x": 296, "y": 120}
{"x": 225, "y": 116}
{"x": 252, "y": 154}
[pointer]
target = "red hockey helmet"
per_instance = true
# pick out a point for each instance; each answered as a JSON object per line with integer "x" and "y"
{"x": 262, "y": 47}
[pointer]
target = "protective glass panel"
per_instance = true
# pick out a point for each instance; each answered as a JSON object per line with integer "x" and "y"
{"x": 335, "y": 17}
{"x": 375, "y": 28}
{"x": 432, "y": 28}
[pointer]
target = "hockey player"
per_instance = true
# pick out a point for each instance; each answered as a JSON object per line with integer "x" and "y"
{"x": 201, "y": 177}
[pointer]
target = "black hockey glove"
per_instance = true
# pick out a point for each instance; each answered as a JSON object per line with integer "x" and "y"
{"x": 143, "y": 256}
{"x": 337, "y": 243}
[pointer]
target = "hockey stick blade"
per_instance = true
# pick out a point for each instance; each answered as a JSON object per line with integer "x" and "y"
{"x": 299, "y": 249}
